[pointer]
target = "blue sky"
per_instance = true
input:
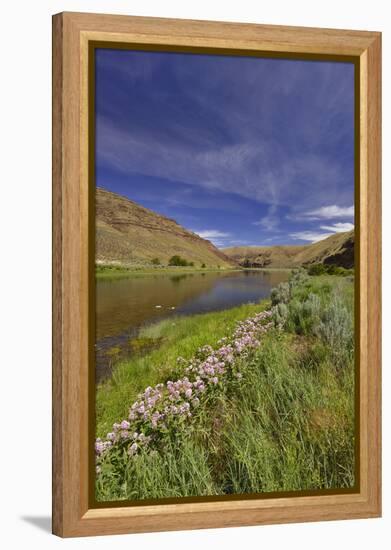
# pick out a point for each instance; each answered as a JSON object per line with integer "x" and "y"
{"x": 242, "y": 151}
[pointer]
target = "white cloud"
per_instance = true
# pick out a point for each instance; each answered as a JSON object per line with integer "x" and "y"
{"x": 237, "y": 242}
{"x": 329, "y": 212}
{"x": 311, "y": 236}
{"x": 218, "y": 238}
{"x": 338, "y": 227}
{"x": 317, "y": 235}
{"x": 212, "y": 234}
{"x": 253, "y": 167}
{"x": 271, "y": 221}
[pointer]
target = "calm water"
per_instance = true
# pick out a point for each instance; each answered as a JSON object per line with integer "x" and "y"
{"x": 125, "y": 305}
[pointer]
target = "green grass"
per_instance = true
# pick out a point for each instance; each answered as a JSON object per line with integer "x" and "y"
{"x": 291, "y": 426}
{"x": 183, "y": 470}
{"x": 178, "y": 337}
{"x": 118, "y": 271}
{"x": 287, "y": 425}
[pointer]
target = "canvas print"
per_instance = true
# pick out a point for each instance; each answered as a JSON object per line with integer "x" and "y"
{"x": 224, "y": 268}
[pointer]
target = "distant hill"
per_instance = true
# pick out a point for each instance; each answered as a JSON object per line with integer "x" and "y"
{"x": 338, "y": 249}
{"x": 130, "y": 234}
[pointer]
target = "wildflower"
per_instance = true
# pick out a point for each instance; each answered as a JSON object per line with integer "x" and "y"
{"x": 132, "y": 449}
{"x": 99, "y": 446}
{"x": 155, "y": 419}
{"x": 125, "y": 425}
{"x": 156, "y": 407}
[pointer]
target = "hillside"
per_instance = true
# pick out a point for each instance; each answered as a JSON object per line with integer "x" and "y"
{"x": 130, "y": 234}
{"x": 338, "y": 249}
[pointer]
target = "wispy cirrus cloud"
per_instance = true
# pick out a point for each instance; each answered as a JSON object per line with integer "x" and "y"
{"x": 218, "y": 238}
{"x": 328, "y": 213}
{"x": 318, "y": 235}
{"x": 257, "y": 169}
{"x": 211, "y": 234}
{"x": 271, "y": 221}
{"x": 284, "y": 152}
{"x": 338, "y": 227}
{"x": 221, "y": 239}
{"x": 310, "y": 236}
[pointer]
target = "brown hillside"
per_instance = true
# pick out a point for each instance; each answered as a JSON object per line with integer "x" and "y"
{"x": 130, "y": 234}
{"x": 338, "y": 249}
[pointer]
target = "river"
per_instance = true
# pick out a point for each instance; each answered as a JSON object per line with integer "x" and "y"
{"x": 124, "y": 305}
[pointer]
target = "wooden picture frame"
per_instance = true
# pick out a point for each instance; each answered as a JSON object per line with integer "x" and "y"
{"x": 73, "y": 34}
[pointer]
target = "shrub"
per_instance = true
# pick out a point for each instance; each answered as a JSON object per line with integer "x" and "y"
{"x": 298, "y": 277}
{"x": 329, "y": 269}
{"x": 316, "y": 269}
{"x": 203, "y": 266}
{"x": 280, "y": 314}
{"x": 337, "y": 270}
{"x": 303, "y": 316}
{"x": 281, "y": 294}
{"x": 155, "y": 261}
{"x": 176, "y": 260}
{"x": 246, "y": 263}
{"x": 335, "y": 327}
{"x": 311, "y": 306}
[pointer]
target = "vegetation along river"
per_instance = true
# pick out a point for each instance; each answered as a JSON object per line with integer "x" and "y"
{"x": 126, "y": 304}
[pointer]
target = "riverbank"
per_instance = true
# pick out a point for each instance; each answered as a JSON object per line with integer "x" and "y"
{"x": 126, "y": 305}
{"x": 169, "y": 339}
{"x": 280, "y": 417}
{"x": 113, "y": 271}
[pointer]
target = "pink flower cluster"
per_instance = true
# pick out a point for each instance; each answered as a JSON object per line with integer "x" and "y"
{"x": 159, "y": 409}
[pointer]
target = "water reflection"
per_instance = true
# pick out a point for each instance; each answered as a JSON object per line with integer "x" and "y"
{"x": 124, "y": 305}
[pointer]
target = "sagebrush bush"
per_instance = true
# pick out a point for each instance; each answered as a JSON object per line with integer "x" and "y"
{"x": 312, "y": 307}
{"x": 303, "y": 315}
{"x": 281, "y": 294}
{"x": 317, "y": 310}
{"x": 335, "y": 328}
{"x": 280, "y": 314}
{"x": 299, "y": 277}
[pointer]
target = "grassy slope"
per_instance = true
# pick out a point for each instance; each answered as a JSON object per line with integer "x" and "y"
{"x": 289, "y": 425}
{"x": 271, "y": 256}
{"x": 130, "y": 234}
{"x": 334, "y": 249}
{"x": 178, "y": 337}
